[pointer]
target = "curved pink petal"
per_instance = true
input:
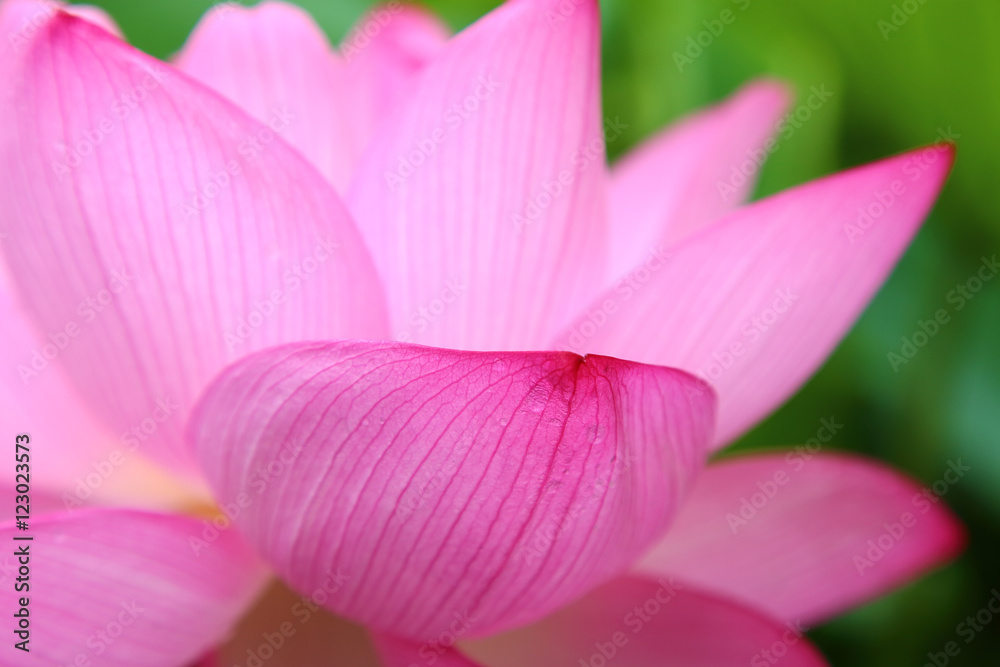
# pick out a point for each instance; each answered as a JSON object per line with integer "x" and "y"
{"x": 117, "y": 587}
{"x": 172, "y": 231}
{"x": 22, "y": 20}
{"x": 756, "y": 302}
{"x": 402, "y": 653}
{"x": 682, "y": 179}
{"x": 384, "y": 52}
{"x": 636, "y": 622}
{"x": 274, "y": 61}
{"x": 805, "y": 536}
{"x": 496, "y": 486}
{"x": 483, "y": 201}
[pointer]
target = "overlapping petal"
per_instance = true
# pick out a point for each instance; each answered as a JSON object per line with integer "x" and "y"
{"x": 443, "y": 486}
{"x": 805, "y": 536}
{"x": 271, "y": 60}
{"x": 121, "y": 587}
{"x": 384, "y": 53}
{"x": 171, "y": 230}
{"x": 636, "y": 622}
{"x": 483, "y": 202}
{"x": 682, "y": 179}
{"x": 287, "y": 629}
{"x": 755, "y": 302}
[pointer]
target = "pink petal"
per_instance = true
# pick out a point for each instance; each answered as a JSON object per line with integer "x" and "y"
{"x": 126, "y": 588}
{"x": 402, "y": 653}
{"x": 805, "y": 536}
{"x": 680, "y": 180}
{"x": 496, "y": 486}
{"x": 74, "y": 457}
{"x": 21, "y": 20}
{"x": 165, "y": 285}
{"x": 757, "y": 301}
{"x": 384, "y": 52}
{"x": 95, "y": 15}
{"x": 33, "y": 388}
{"x": 272, "y": 60}
{"x": 495, "y": 120}
{"x": 634, "y": 622}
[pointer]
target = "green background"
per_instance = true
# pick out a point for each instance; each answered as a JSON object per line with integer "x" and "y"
{"x": 893, "y": 90}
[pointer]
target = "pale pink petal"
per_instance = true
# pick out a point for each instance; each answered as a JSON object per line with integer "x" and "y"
{"x": 636, "y": 622}
{"x": 384, "y": 52}
{"x": 682, "y": 179}
{"x": 125, "y": 588}
{"x": 74, "y": 457}
{"x": 756, "y": 302}
{"x": 805, "y": 536}
{"x": 403, "y": 653}
{"x": 480, "y": 243}
{"x": 273, "y": 61}
{"x": 21, "y": 20}
{"x": 186, "y": 237}
{"x": 496, "y": 486}
{"x": 37, "y": 399}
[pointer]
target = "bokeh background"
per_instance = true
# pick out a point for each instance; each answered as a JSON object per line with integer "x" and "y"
{"x": 902, "y": 74}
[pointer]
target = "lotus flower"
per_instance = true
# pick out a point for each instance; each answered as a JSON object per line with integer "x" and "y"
{"x": 383, "y": 325}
